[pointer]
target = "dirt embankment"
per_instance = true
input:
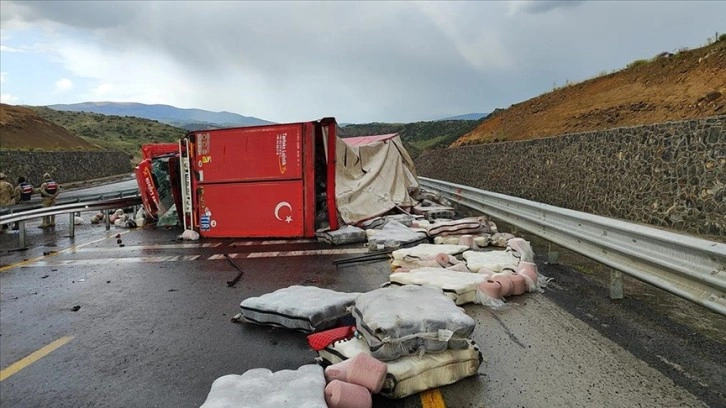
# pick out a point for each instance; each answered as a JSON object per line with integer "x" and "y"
{"x": 21, "y": 128}
{"x": 686, "y": 85}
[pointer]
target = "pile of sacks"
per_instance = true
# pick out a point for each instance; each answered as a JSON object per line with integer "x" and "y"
{"x": 120, "y": 219}
{"x": 351, "y": 382}
{"x": 469, "y": 273}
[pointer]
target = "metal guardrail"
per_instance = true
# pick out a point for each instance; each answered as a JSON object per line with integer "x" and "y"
{"x": 692, "y": 268}
{"x": 70, "y": 208}
{"x": 37, "y": 202}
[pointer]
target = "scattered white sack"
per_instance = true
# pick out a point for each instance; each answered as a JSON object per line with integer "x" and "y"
{"x": 394, "y": 235}
{"x": 141, "y": 213}
{"x": 421, "y": 223}
{"x": 459, "y": 286}
{"x": 347, "y": 234}
{"x": 372, "y": 223}
{"x": 494, "y": 261}
{"x": 118, "y": 222}
{"x": 447, "y": 240}
{"x": 78, "y": 220}
{"x": 405, "y": 219}
{"x": 411, "y": 319}
{"x": 304, "y": 308}
{"x": 422, "y": 250}
{"x": 500, "y": 239}
{"x": 433, "y": 211}
{"x": 412, "y": 262}
{"x": 261, "y": 388}
{"x": 521, "y": 248}
{"x": 409, "y": 375}
{"x": 483, "y": 241}
{"x": 189, "y": 235}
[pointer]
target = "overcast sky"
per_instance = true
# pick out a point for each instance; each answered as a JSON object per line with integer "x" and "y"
{"x": 361, "y": 62}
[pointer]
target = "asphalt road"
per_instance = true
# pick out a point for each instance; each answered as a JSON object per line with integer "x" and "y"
{"x": 152, "y": 328}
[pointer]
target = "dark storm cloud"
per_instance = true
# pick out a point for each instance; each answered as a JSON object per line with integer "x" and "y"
{"x": 382, "y": 61}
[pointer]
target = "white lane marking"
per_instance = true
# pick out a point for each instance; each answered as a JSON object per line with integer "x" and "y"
{"x": 311, "y": 252}
{"x": 275, "y": 254}
{"x": 184, "y": 258}
{"x": 108, "y": 261}
{"x": 272, "y": 242}
{"x": 154, "y": 246}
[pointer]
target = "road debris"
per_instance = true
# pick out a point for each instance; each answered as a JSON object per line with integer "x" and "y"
{"x": 232, "y": 282}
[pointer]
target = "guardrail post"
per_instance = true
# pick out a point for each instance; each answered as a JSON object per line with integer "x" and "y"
{"x": 21, "y": 231}
{"x": 73, "y": 224}
{"x": 552, "y": 256}
{"x": 107, "y": 215}
{"x": 616, "y": 285}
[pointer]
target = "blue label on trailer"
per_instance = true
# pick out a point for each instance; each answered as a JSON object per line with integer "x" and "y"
{"x": 204, "y": 222}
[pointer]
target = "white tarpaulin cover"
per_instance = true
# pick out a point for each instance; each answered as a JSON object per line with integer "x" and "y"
{"x": 261, "y": 388}
{"x": 411, "y": 374}
{"x": 372, "y": 178}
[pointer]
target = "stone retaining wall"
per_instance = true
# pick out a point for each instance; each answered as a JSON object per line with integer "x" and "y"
{"x": 670, "y": 175}
{"x": 65, "y": 167}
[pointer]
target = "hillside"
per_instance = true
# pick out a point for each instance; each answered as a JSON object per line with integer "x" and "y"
{"x": 686, "y": 85}
{"x": 126, "y": 134}
{"x": 23, "y": 129}
{"x": 190, "y": 119}
{"x": 417, "y": 136}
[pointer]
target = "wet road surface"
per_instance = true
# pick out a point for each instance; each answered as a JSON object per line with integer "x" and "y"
{"x": 153, "y": 328}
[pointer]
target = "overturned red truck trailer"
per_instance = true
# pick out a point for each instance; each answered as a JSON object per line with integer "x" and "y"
{"x": 258, "y": 181}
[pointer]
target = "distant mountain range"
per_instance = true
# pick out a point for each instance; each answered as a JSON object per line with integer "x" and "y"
{"x": 190, "y": 119}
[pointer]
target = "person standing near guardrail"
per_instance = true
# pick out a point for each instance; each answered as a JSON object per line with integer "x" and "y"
{"x": 6, "y": 195}
{"x": 23, "y": 193}
{"x": 49, "y": 190}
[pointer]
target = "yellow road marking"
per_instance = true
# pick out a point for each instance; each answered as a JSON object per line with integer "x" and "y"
{"x": 432, "y": 399}
{"x": 71, "y": 248}
{"x": 19, "y": 365}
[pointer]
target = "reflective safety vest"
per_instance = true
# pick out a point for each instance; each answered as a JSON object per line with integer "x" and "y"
{"x": 26, "y": 191}
{"x": 51, "y": 187}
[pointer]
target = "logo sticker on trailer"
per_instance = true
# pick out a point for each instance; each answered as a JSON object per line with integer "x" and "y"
{"x": 281, "y": 150}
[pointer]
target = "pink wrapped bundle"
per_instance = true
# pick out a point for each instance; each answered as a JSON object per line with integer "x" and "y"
{"x": 491, "y": 288}
{"x": 339, "y": 394}
{"x": 442, "y": 260}
{"x": 520, "y": 284}
{"x": 468, "y": 241}
{"x": 529, "y": 271}
{"x": 363, "y": 369}
{"x": 507, "y": 284}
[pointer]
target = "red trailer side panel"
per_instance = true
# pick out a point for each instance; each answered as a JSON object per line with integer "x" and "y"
{"x": 259, "y": 209}
{"x": 270, "y": 152}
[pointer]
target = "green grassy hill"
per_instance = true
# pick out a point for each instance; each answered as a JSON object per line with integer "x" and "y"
{"x": 122, "y": 133}
{"x": 416, "y": 136}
